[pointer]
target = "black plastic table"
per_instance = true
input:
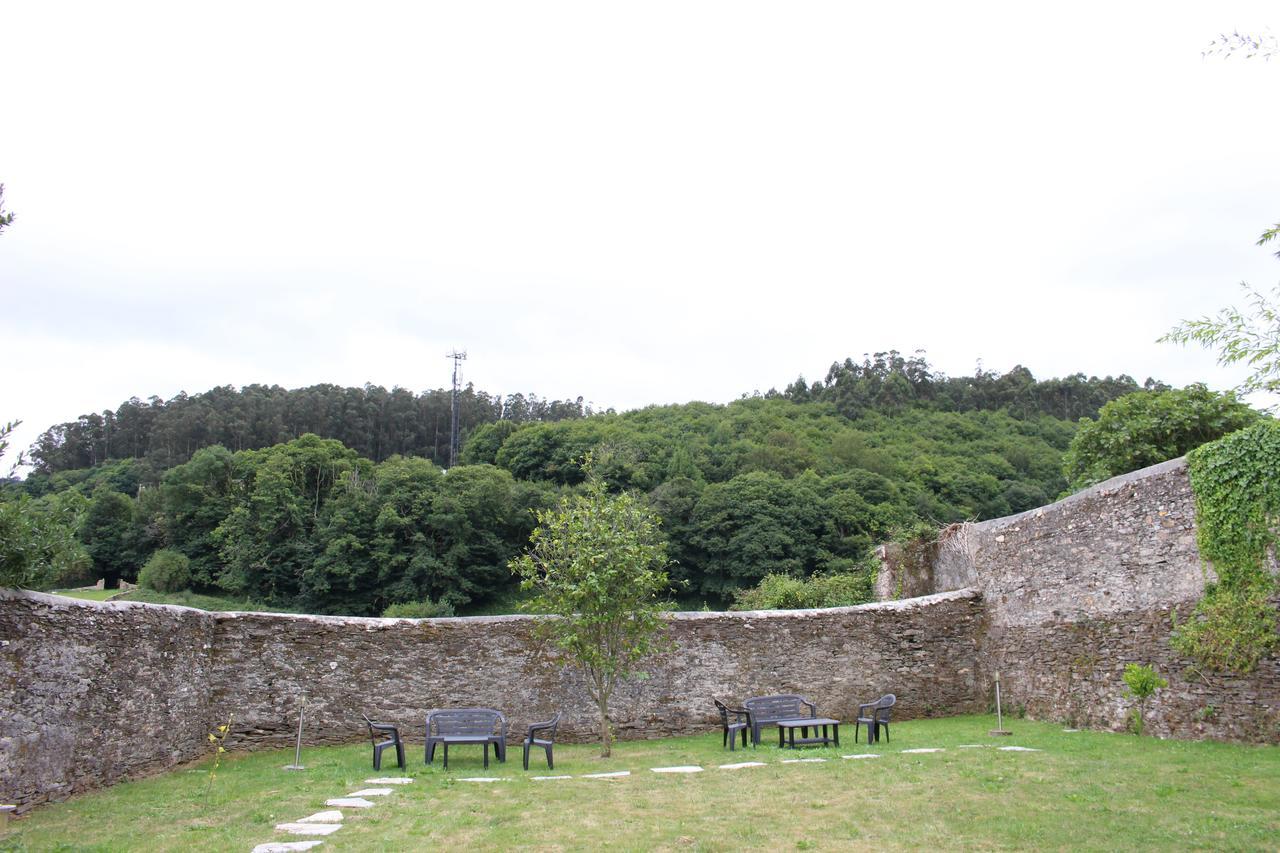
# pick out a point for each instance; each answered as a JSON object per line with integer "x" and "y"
{"x": 787, "y": 731}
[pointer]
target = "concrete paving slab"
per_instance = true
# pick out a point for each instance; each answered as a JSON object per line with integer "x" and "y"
{"x": 298, "y": 828}
{"x": 349, "y": 803}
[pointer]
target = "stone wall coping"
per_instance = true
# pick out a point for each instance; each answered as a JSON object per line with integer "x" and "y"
{"x": 66, "y": 601}
{"x": 374, "y": 622}
{"x": 1106, "y": 487}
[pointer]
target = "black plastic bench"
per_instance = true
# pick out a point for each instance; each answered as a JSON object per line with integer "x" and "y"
{"x": 769, "y": 710}
{"x": 467, "y": 726}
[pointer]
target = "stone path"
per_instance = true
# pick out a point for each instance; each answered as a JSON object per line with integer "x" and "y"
{"x": 329, "y": 822}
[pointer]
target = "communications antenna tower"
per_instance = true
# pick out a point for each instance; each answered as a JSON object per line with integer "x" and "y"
{"x": 458, "y": 358}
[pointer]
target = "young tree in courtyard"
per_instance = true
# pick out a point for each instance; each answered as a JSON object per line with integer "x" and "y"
{"x": 599, "y": 564}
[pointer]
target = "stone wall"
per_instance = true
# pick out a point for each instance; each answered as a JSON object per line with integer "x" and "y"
{"x": 1057, "y": 600}
{"x": 1077, "y": 589}
{"x": 92, "y": 693}
{"x": 98, "y": 692}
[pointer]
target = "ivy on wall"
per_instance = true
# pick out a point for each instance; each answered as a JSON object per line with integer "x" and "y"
{"x": 1236, "y": 481}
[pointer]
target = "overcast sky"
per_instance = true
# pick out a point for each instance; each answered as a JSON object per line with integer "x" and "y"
{"x": 636, "y": 203}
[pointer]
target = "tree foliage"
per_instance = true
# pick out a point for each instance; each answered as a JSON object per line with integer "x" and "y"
{"x": 1250, "y": 336}
{"x": 329, "y": 499}
{"x": 598, "y": 563}
{"x": 1148, "y": 427}
{"x": 374, "y": 422}
{"x": 37, "y": 535}
{"x": 6, "y": 219}
{"x": 166, "y": 571}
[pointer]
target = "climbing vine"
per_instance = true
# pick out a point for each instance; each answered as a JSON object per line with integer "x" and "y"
{"x": 1236, "y": 481}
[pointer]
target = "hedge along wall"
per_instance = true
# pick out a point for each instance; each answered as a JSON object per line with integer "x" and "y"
{"x": 99, "y": 692}
{"x": 1077, "y": 589}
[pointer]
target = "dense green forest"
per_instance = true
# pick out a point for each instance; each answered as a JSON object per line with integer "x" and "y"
{"x": 333, "y": 499}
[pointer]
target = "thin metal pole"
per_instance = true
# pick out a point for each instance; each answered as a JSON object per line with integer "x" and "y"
{"x": 297, "y": 750}
{"x": 999, "y": 715}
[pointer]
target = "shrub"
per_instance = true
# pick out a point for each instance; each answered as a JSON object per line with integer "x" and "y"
{"x": 166, "y": 571}
{"x": 784, "y": 592}
{"x": 425, "y": 609}
{"x": 1142, "y": 681}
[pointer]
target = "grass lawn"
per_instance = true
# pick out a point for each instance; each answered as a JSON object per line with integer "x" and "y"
{"x": 87, "y": 593}
{"x": 186, "y": 598}
{"x": 1089, "y": 790}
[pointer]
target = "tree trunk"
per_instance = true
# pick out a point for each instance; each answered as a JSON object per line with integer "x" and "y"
{"x": 606, "y": 736}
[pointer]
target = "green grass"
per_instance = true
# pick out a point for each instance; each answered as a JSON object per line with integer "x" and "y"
{"x": 1087, "y": 790}
{"x": 186, "y": 598}
{"x": 202, "y": 602}
{"x": 87, "y": 593}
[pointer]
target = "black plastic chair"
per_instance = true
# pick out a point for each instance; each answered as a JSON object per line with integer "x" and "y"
{"x": 740, "y": 723}
{"x": 547, "y": 743}
{"x": 875, "y": 715}
{"x": 378, "y": 746}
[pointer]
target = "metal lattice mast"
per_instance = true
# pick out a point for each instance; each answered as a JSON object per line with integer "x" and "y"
{"x": 458, "y": 358}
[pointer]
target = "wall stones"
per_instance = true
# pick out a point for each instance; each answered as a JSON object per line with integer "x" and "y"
{"x": 1077, "y": 589}
{"x": 94, "y": 692}
{"x": 101, "y": 692}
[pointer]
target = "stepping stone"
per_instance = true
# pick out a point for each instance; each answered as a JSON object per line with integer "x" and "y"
{"x": 613, "y": 775}
{"x": 688, "y": 768}
{"x": 803, "y": 760}
{"x": 300, "y": 828}
{"x": 973, "y": 746}
{"x": 547, "y": 778}
{"x": 931, "y": 749}
{"x": 371, "y": 792}
{"x": 323, "y": 817}
{"x": 1016, "y": 749}
{"x": 349, "y": 803}
{"x": 1071, "y": 731}
{"x": 743, "y": 764}
{"x": 863, "y": 755}
{"x": 390, "y": 780}
{"x": 481, "y": 779}
{"x": 286, "y": 846}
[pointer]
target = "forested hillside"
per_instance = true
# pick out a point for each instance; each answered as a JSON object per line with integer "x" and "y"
{"x": 332, "y": 499}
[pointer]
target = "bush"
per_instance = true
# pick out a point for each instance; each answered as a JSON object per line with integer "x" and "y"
{"x": 166, "y": 571}
{"x": 783, "y": 592}
{"x": 425, "y": 609}
{"x": 1142, "y": 681}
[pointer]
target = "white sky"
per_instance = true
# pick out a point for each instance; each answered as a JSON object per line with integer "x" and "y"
{"x": 639, "y": 203}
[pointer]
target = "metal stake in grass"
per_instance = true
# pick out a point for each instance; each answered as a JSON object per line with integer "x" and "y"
{"x": 297, "y": 751}
{"x": 999, "y": 729}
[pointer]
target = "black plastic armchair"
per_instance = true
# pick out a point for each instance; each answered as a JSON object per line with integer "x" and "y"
{"x": 547, "y": 741}
{"x": 875, "y": 716}
{"x": 392, "y": 739}
{"x": 741, "y": 723}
